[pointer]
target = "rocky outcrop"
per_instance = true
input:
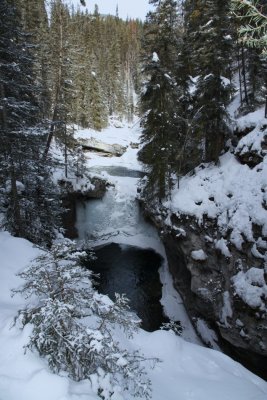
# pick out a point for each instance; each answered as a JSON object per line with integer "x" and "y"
{"x": 252, "y": 148}
{"x": 203, "y": 274}
{"x": 98, "y": 146}
{"x": 91, "y": 188}
{"x": 214, "y": 227}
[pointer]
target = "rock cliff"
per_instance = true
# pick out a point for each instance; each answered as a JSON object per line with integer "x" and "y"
{"x": 215, "y": 233}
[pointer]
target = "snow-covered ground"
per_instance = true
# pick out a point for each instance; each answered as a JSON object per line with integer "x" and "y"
{"x": 187, "y": 371}
{"x": 235, "y": 195}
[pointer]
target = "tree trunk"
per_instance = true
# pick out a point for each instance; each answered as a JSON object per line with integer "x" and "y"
{"x": 3, "y": 108}
{"x": 58, "y": 86}
{"x": 239, "y": 76}
{"x": 244, "y": 74}
{"x": 18, "y": 231}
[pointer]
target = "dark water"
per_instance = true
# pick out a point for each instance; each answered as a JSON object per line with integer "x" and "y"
{"x": 118, "y": 171}
{"x": 133, "y": 271}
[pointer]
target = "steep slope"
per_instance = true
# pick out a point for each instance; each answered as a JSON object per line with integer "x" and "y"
{"x": 215, "y": 234}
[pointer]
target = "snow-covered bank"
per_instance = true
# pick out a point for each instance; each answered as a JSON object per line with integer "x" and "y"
{"x": 186, "y": 372}
{"x": 215, "y": 233}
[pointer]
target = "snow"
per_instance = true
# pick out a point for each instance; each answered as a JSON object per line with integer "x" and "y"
{"x": 252, "y": 288}
{"x": 251, "y": 119}
{"x": 225, "y": 81}
{"x": 227, "y": 309}
{"x": 208, "y": 336}
{"x": 199, "y": 255}
{"x": 234, "y": 196}
{"x": 186, "y": 371}
{"x": 173, "y": 305}
{"x": 218, "y": 193}
{"x": 222, "y": 246}
{"x": 155, "y": 57}
{"x": 252, "y": 141}
{"x": 20, "y": 186}
{"x": 119, "y": 133}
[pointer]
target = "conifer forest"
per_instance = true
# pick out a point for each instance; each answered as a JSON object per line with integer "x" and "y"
{"x": 133, "y": 201}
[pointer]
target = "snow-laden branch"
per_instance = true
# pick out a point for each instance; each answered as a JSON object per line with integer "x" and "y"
{"x": 74, "y": 326}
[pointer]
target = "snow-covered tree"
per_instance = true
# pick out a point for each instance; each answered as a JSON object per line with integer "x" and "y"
{"x": 161, "y": 124}
{"x": 74, "y": 325}
{"x": 29, "y": 198}
{"x": 208, "y": 27}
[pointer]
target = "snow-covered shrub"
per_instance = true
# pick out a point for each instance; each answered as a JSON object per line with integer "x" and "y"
{"x": 174, "y": 326}
{"x": 73, "y": 325}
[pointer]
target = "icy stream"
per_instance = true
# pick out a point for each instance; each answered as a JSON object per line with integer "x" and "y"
{"x": 127, "y": 249}
{"x": 132, "y": 258}
{"x": 115, "y": 217}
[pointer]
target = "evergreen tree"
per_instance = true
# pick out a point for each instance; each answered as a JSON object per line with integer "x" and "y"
{"x": 254, "y": 22}
{"x": 24, "y": 179}
{"x": 257, "y": 77}
{"x": 35, "y": 23}
{"x": 18, "y": 107}
{"x": 96, "y": 103}
{"x": 251, "y": 59}
{"x": 73, "y": 324}
{"x": 161, "y": 122}
{"x": 211, "y": 62}
{"x": 60, "y": 67}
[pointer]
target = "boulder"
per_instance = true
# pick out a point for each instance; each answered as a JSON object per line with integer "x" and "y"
{"x": 98, "y": 146}
{"x": 252, "y": 148}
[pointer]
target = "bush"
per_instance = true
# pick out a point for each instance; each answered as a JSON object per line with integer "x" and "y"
{"x": 73, "y": 325}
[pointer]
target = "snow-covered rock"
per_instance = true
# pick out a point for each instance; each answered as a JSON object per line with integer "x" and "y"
{"x": 222, "y": 210}
{"x": 251, "y": 287}
{"x": 97, "y": 145}
{"x": 252, "y": 148}
{"x": 199, "y": 255}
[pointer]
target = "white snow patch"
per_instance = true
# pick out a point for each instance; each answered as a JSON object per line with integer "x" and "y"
{"x": 252, "y": 141}
{"x": 199, "y": 255}
{"x": 155, "y": 57}
{"x": 226, "y": 311}
{"x": 251, "y": 287}
{"x": 231, "y": 193}
{"x": 221, "y": 245}
{"x": 251, "y": 120}
{"x": 208, "y": 336}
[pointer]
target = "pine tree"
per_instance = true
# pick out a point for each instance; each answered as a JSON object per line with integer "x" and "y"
{"x": 161, "y": 122}
{"x": 73, "y": 324}
{"x": 35, "y": 23}
{"x": 18, "y": 106}
{"x": 211, "y": 61}
{"x": 24, "y": 178}
{"x": 60, "y": 67}
{"x": 251, "y": 59}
